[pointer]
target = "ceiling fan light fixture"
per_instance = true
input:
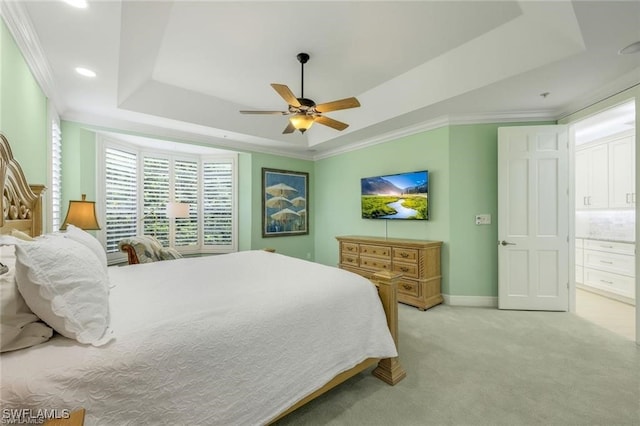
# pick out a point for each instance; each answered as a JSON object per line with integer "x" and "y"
{"x": 301, "y": 122}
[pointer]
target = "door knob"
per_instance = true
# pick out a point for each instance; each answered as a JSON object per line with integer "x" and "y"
{"x": 506, "y": 243}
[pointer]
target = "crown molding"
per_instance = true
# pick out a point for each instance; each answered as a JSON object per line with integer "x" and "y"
{"x": 115, "y": 125}
{"x": 19, "y": 24}
{"x": 447, "y": 120}
{"x": 623, "y": 83}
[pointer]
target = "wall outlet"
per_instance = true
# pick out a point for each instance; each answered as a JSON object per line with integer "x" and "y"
{"x": 483, "y": 219}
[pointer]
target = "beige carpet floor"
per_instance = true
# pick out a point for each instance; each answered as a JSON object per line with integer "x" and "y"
{"x": 478, "y": 366}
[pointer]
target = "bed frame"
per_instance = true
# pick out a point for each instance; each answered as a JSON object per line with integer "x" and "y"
{"x": 21, "y": 208}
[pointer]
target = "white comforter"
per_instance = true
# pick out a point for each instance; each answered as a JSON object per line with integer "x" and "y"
{"x": 230, "y": 339}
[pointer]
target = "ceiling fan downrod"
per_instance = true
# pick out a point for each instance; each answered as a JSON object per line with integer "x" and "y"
{"x": 302, "y": 58}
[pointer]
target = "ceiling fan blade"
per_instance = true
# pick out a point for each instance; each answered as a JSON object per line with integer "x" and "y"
{"x": 286, "y": 94}
{"x": 335, "y": 124}
{"x": 336, "y": 105}
{"x": 265, "y": 112}
{"x": 289, "y": 129}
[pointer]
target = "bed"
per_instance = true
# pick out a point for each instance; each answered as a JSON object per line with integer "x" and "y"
{"x": 242, "y": 338}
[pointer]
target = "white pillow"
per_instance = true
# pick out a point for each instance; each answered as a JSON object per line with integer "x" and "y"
{"x": 19, "y": 327}
{"x": 66, "y": 286}
{"x": 88, "y": 240}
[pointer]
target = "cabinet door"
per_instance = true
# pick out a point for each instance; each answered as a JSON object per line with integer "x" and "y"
{"x": 598, "y": 177}
{"x": 582, "y": 179}
{"x": 622, "y": 173}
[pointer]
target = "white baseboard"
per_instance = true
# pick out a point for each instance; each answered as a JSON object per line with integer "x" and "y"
{"x": 476, "y": 301}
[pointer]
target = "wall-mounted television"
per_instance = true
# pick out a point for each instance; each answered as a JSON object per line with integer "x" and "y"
{"x": 403, "y": 196}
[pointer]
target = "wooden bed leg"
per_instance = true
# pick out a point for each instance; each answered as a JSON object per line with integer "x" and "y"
{"x": 389, "y": 370}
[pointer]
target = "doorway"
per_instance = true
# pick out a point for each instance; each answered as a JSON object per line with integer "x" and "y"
{"x": 605, "y": 202}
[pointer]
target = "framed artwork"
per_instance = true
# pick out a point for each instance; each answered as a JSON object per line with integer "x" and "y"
{"x": 285, "y": 205}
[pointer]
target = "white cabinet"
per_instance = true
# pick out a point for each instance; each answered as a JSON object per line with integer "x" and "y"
{"x": 579, "y": 261}
{"x": 622, "y": 188}
{"x": 592, "y": 177}
{"x": 608, "y": 268}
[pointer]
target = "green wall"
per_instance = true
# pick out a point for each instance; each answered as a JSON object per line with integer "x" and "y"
{"x": 23, "y": 110}
{"x": 78, "y": 162}
{"x": 337, "y": 194}
{"x": 301, "y": 246}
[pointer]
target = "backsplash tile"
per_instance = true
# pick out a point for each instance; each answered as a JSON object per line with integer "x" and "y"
{"x": 616, "y": 225}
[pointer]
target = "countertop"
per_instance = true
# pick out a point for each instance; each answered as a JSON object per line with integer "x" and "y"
{"x": 612, "y": 240}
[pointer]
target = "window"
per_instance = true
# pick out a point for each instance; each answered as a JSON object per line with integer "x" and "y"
{"x": 121, "y": 196}
{"x": 138, "y": 184}
{"x": 56, "y": 176}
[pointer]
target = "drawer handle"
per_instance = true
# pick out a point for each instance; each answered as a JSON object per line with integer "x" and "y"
{"x": 404, "y": 269}
{"x": 350, "y": 260}
{"x": 407, "y": 286}
{"x": 607, "y": 262}
{"x": 606, "y": 282}
{"x": 405, "y": 255}
{"x": 605, "y": 246}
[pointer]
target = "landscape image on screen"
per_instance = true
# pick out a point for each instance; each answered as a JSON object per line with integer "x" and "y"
{"x": 399, "y": 196}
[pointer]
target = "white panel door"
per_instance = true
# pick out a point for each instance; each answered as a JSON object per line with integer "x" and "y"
{"x": 533, "y": 218}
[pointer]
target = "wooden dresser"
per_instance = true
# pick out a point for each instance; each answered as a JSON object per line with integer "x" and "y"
{"x": 417, "y": 260}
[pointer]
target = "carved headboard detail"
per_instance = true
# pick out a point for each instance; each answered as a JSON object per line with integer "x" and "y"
{"x": 21, "y": 203}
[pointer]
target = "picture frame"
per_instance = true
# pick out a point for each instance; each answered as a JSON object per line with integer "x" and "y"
{"x": 285, "y": 203}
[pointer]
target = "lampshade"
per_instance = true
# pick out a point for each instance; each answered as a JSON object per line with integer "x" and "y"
{"x": 301, "y": 122}
{"x": 81, "y": 214}
{"x": 177, "y": 210}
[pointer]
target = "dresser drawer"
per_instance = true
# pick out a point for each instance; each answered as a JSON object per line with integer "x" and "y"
{"x": 613, "y": 247}
{"x": 349, "y": 248}
{"x": 349, "y": 259}
{"x": 405, "y": 255}
{"x": 611, "y": 262}
{"x": 618, "y": 284}
{"x": 408, "y": 287}
{"x": 374, "y": 264}
{"x": 409, "y": 270}
{"x": 377, "y": 251}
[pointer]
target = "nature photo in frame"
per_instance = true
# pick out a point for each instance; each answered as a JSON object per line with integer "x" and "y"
{"x": 284, "y": 203}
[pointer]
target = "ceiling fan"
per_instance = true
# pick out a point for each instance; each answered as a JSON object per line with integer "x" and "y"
{"x": 304, "y": 112}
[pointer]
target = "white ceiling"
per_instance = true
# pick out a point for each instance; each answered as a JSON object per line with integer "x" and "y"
{"x": 183, "y": 70}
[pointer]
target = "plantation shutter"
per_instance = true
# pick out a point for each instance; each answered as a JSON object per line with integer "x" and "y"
{"x": 56, "y": 176}
{"x": 217, "y": 199}
{"x": 121, "y": 196}
{"x": 156, "y": 196}
{"x": 186, "y": 191}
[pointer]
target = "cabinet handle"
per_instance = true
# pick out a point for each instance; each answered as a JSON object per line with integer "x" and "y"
{"x": 584, "y": 201}
{"x": 404, "y": 269}
{"x": 627, "y": 197}
{"x": 605, "y": 246}
{"x": 406, "y": 286}
{"x": 405, "y": 255}
{"x": 607, "y": 262}
{"x": 606, "y": 282}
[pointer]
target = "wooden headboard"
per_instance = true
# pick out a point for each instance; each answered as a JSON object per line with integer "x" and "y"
{"x": 21, "y": 203}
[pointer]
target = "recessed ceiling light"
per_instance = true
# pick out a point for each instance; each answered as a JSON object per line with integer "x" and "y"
{"x": 80, "y": 4}
{"x": 632, "y": 48}
{"x": 85, "y": 72}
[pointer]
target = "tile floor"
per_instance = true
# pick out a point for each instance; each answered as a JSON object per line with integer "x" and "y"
{"x": 615, "y": 316}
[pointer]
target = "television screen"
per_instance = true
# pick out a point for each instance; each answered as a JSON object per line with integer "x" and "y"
{"x": 399, "y": 196}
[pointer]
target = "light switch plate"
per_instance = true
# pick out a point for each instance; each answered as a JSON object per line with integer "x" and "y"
{"x": 483, "y": 219}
